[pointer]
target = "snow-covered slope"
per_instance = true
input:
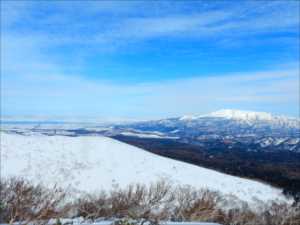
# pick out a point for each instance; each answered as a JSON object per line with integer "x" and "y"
{"x": 93, "y": 163}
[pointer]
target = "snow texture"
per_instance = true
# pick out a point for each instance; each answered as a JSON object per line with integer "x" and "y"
{"x": 249, "y": 117}
{"x": 91, "y": 163}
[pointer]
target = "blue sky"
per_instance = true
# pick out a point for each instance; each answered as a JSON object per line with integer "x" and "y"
{"x": 151, "y": 59}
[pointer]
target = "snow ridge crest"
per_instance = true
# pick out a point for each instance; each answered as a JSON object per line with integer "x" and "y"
{"x": 248, "y": 117}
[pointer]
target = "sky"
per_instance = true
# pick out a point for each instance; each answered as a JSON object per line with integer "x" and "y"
{"x": 148, "y": 59}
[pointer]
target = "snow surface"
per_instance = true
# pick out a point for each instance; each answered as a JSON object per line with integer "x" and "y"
{"x": 244, "y": 115}
{"x": 90, "y": 163}
{"x": 146, "y": 135}
{"x": 248, "y": 116}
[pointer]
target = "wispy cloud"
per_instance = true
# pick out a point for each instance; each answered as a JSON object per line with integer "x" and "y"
{"x": 111, "y": 22}
{"x": 73, "y": 95}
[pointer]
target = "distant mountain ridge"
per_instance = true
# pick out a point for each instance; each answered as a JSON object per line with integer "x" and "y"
{"x": 249, "y": 117}
{"x": 231, "y": 128}
{"x": 224, "y": 129}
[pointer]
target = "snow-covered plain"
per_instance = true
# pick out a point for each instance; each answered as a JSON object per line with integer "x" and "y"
{"x": 146, "y": 135}
{"x": 91, "y": 163}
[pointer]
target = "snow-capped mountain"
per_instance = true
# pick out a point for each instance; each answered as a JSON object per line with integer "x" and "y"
{"x": 257, "y": 130}
{"x": 245, "y": 117}
{"x": 251, "y": 117}
{"x": 94, "y": 163}
{"x": 252, "y": 131}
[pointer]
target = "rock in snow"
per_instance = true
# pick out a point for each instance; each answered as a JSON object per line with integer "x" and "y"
{"x": 94, "y": 163}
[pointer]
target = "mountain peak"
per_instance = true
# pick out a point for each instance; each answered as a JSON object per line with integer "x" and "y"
{"x": 242, "y": 115}
{"x": 248, "y": 117}
{"x": 233, "y": 114}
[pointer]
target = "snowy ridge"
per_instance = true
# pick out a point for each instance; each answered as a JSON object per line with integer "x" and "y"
{"x": 243, "y": 115}
{"x": 94, "y": 163}
{"x": 249, "y": 117}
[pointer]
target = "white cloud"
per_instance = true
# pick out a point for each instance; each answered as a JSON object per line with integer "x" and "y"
{"x": 109, "y": 23}
{"x": 73, "y": 95}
